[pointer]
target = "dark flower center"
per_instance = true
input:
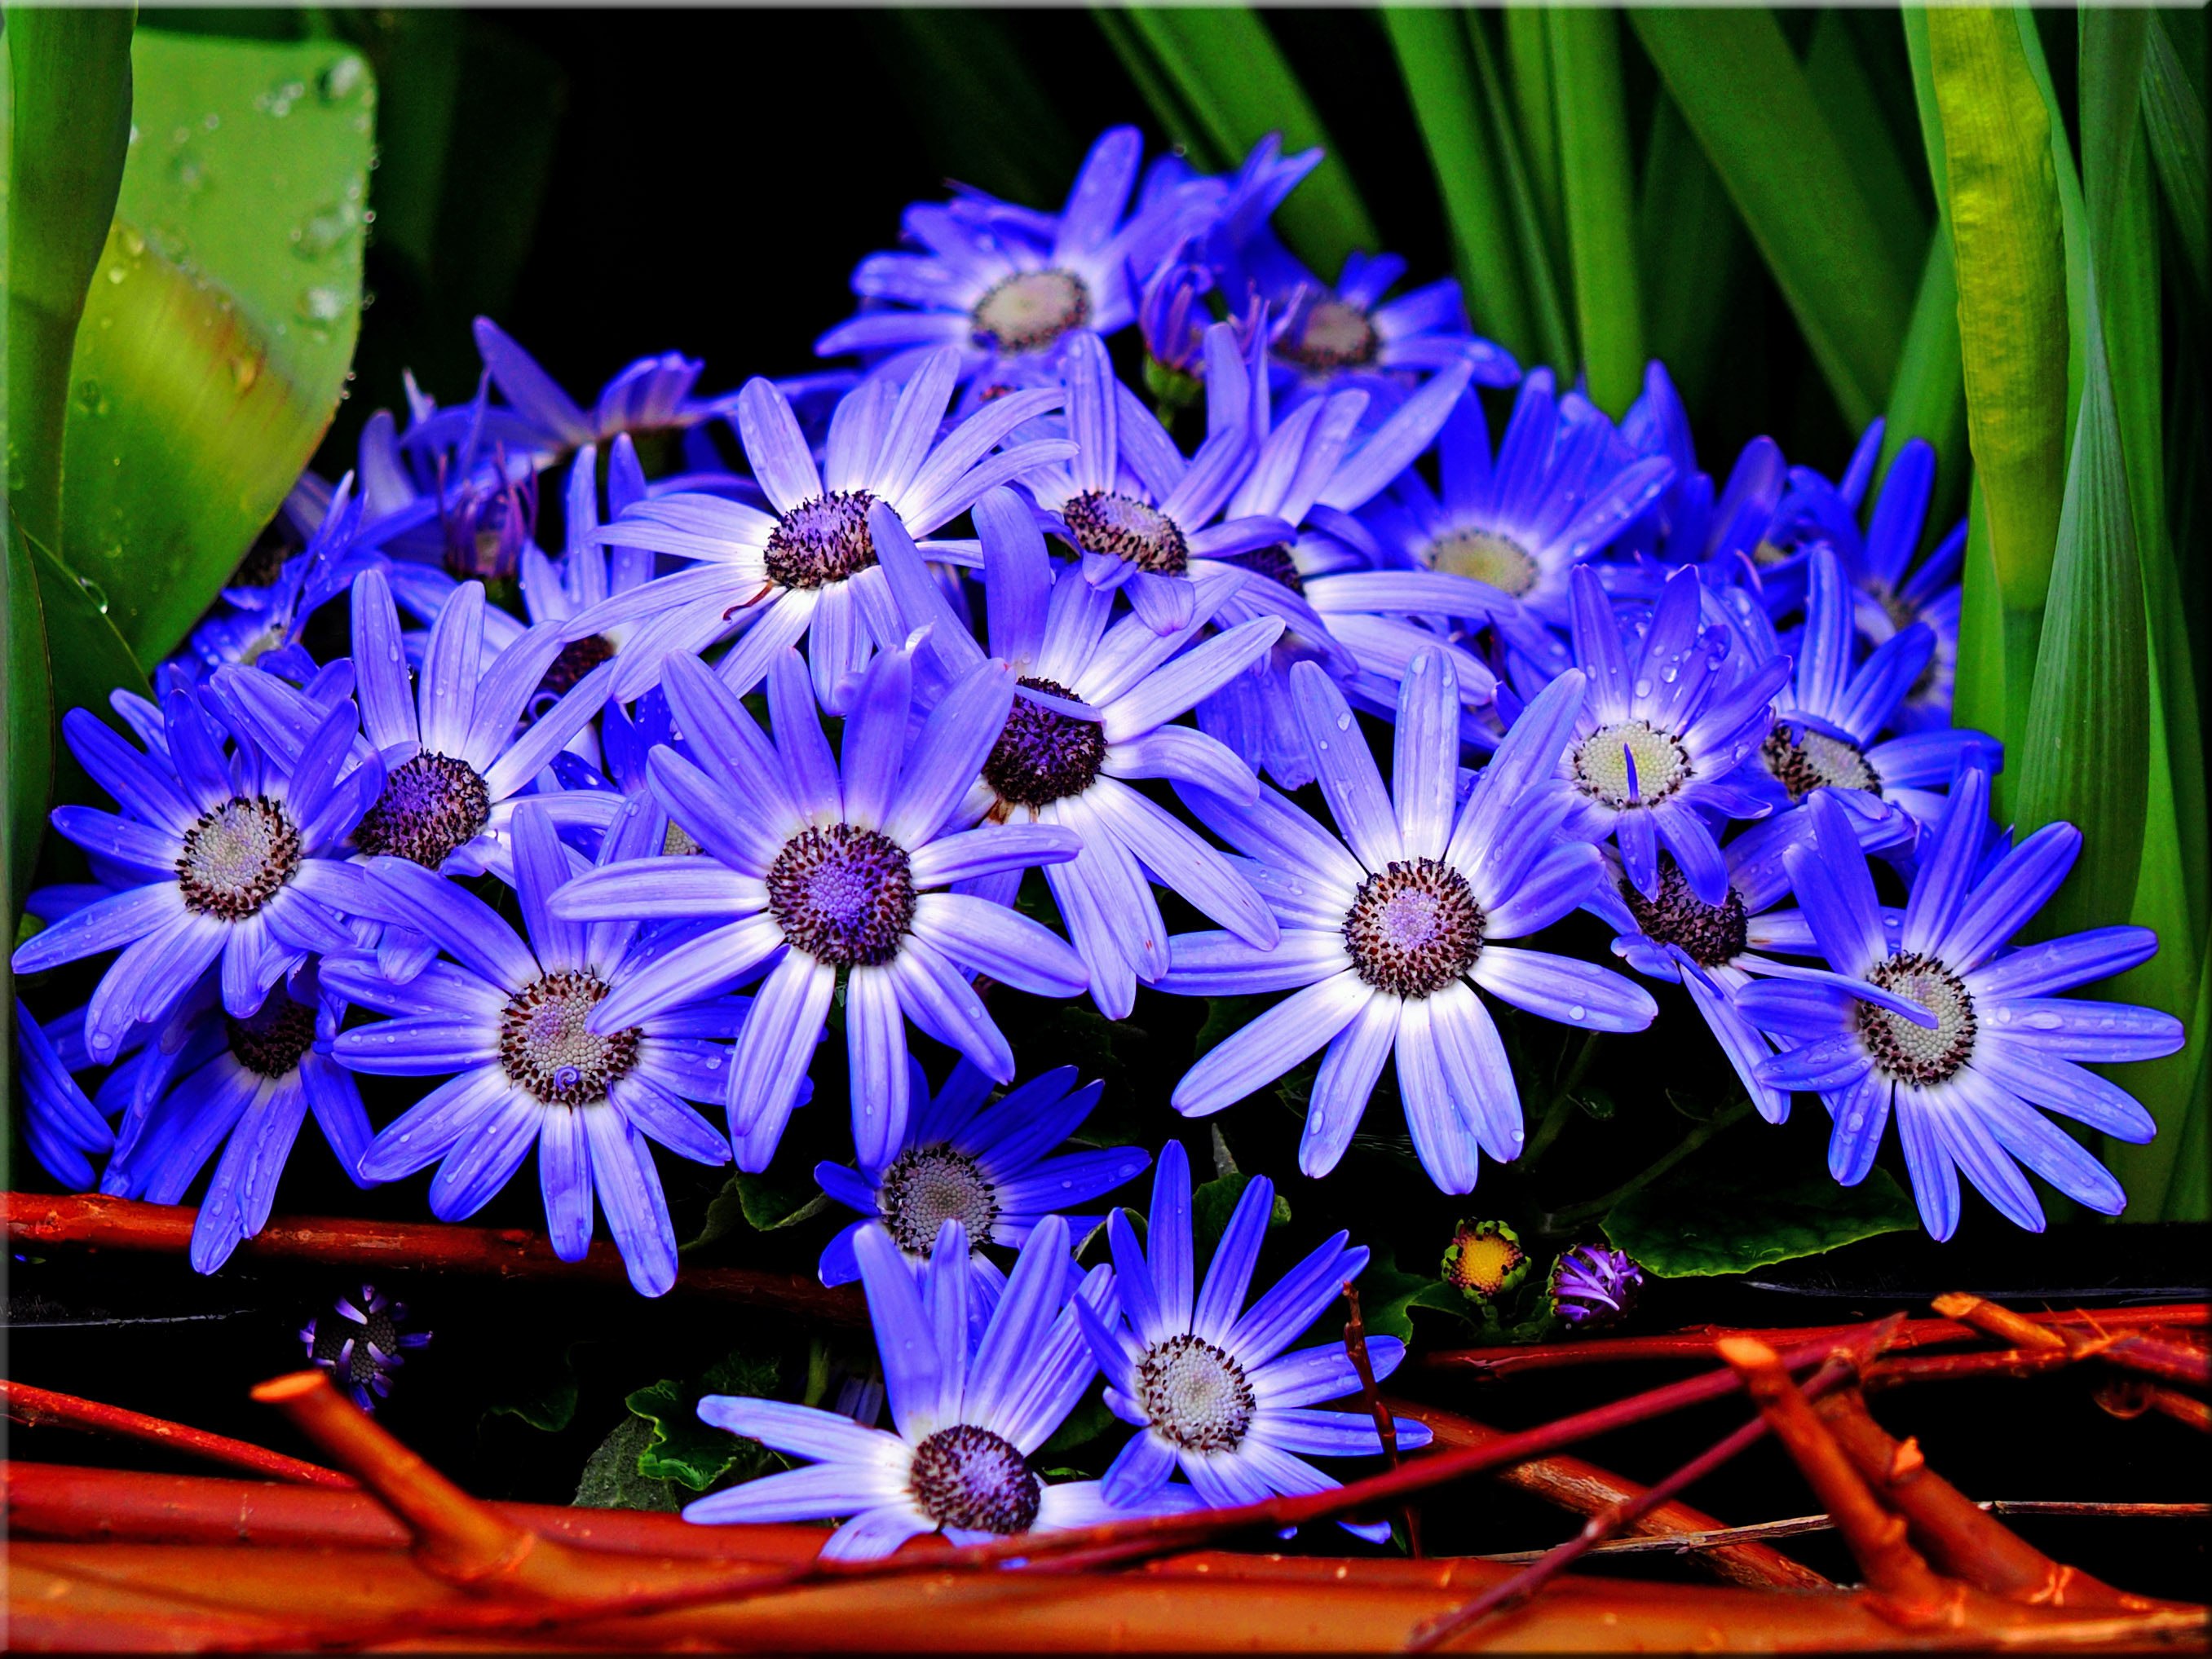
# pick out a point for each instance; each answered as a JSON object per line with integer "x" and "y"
{"x": 548, "y": 1048}
{"x": 236, "y": 857}
{"x": 1917, "y": 1054}
{"x": 1043, "y": 756}
{"x": 1413, "y": 927}
{"x": 429, "y": 806}
{"x": 1336, "y": 335}
{"x": 1710, "y": 935}
{"x": 269, "y": 1041}
{"x": 975, "y": 1480}
{"x": 578, "y": 658}
{"x": 334, "y": 1336}
{"x": 679, "y": 842}
{"x": 1194, "y": 1394}
{"x": 822, "y": 541}
{"x": 1802, "y": 760}
{"x": 1630, "y": 763}
{"x": 1106, "y": 521}
{"x": 1487, "y": 557}
{"x": 1030, "y": 309}
{"x": 843, "y": 895}
{"x": 927, "y": 1187}
{"x": 1275, "y": 563}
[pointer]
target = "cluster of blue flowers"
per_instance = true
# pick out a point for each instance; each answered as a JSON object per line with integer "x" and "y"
{"x": 1609, "y": 686}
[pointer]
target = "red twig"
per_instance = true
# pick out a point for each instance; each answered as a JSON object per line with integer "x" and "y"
{"x": 2131, "y": 1396}
{"x": 1697, "y": 1342}
{"x": 1355, "y": 1345}
{"x": 36, "y": 1407}
{"x": 98, "y": 1222}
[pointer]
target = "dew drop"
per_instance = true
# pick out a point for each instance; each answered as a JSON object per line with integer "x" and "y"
{"x": 321, "y": 305}
{"x": 1643, "y": 688}
{"x": 1344, "y": 721}
{"x": 1578, "y": 1012}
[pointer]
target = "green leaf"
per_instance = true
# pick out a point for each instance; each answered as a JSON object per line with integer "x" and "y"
{"x": 1081, "y": 1426}
{"x": 2174, "y": 116}
{"x": 88, "y": 659}
{"x": 552, "y": 1406}
{"x": 1748, "y": 100}
{"x": 1689, "y": 243}
{"x": 683, "y": 1450}
{"x": 1696, "y": 1222}
{"x": 1543, "y": 256}
{"x": 760, "y": 1203}
{"x": 1226, "y": 1016}
{"x": 1440, "y": 85}
{"x": 1536, "y": 119}
{"x": 1214, "y": 1202}
{"x": 1388, "y": 1298}
{"x": 1233, "y": 87}
{"x": 221, "y": 324}
{"x": 28, "y": 691}
{"x": 1598, "y": 197}
{"x": 1848, "y": 102}
{"x": 611, "y": 1480}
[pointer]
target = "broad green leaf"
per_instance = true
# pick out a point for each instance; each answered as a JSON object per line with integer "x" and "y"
{"x": 2175, "y": 118}
{"x": 1236, "y": 87}
{"x": 1746, "y": 98}
{"x": 88, "y": 659}
{"x": 611, "y": 1480}
{"x": 1440, "y": 85}
{"x": 1387, "y": 1298}
{"x": 1598, "y": 197}
{"x": 1542, "y": 260}
{"x": 1689, "y": 242}
{"x": 683, "y": 1450}
{"x": 219, "y": 331}
{"x": 1697, "y": 1222}
{"x": 416, "y": 52}
{"x": 2009, "y": 254}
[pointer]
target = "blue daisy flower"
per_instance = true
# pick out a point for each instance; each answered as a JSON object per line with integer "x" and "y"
{"x": 60, "y": 1124}
{"x": 807, "y": 569}
{"x": 1350, "y": 337}
{"x": 1661, "y": 733}
{"x": 1563, "y": 486}
{"x": 819, "y": 873}
{"x": 653, "y": 394}
{"x": 512, "y": 1019}
{"x": 1093, "y": 708}
{"x": 968, "y": 1416}
{"x": 1942, "y": 1026}
{"x": 262, "y": 626}
{"x": 235, "y": 858}
{"x": 985, "y": 1165}
{"x": 1389, "y": 931}
{"x": 1891, "y": 594}
{"x": 1006, "y": 286}
{"x": 1207, "y": 1380}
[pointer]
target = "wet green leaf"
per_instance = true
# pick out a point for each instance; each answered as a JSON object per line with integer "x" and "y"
{"x": 220, "y": 324}
{"x": 611, "y": 1480}
{"x": 1697, "y": 1222}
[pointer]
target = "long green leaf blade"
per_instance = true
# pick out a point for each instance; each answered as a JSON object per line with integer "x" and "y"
{"x": 218, "y": 335}
{"x": 2072, "y": 217}
{"x": 1439, "y": 76}
{"x": 1848, "y": 103}
{"x": 1598, "y": 196}
{"x": 1236, "y": 83}
{"x": 1689, "y": 244}
{"x": 1746, "y": 98}
{"x": 2175, "y": 116}
{"x": 1540, "y": 267}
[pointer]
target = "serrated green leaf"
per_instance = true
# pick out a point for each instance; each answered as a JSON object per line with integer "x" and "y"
{"x": 2175, "y": 118}
{"x": 1598, "y": 197}
{"x": 1745, "y": 96}
{"x": 1696, "y": 1224}
{"x": 1233, "y": 85}
{"x": 221, "y": 324}
{"x": 683, "y": 1450}
{"x": 611, "y": 1480}
{"x": 1440, "y": 85}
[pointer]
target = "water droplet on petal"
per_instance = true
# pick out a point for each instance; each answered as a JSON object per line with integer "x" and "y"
{"x": 1578, "y": 1012}
{"x": 1344, "y": 720}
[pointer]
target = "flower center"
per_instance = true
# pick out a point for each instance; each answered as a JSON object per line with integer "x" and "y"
{"x": 1710, "y": 935}
{"x": 1630, "y": 763}
{"x": 578, "y": 658}
{"x": 236, "y": 857}
{"x": 1487, "y": 557}
{"x": 378, "y": 1338}
{"x": 1809, "y": 760}
{"x": 1196, "y": 1394}
{"x": 1336, "y": 335}
{"x": 843, "y": 895}
{"x": 269, "y": 1041}
{"x": 1104, "y": 521}
{"x": 429, "y": 806}
{"x": 547, "y": 1049}
{"x": 1030, "y": 309}
{"x": 927, "y": 1187}
{"x": 975, "y": 1480}
{"x": 1043, "y": 756}
{"x": 1914, "y": 1053}
{"x": 822, "y": 541}
{"x": 679, "y": 842}
{"x": 1275, "y": 563}
{"x": 1413, "y": 928}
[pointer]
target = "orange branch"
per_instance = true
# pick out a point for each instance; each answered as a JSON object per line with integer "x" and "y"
{"x": 38, "y": 1407}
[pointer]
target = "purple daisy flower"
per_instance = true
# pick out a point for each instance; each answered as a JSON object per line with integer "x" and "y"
{"x": 967, "y": 1417}
{"x": 1389, "y": 931}
{"x": 1206, "y": 1381}
{"x": 807, "y": 569}
{"x": 1891, "y": 594}
{"x": 1593, "y": 1285}
{"x": 1957, "y": 1035}
{"x": 360, "y": 1343}
{"x": 1349, "y": 337}
{"x": 260, "y": 627}
{"x": 60, "y": 1124}
{"x": 818, "y": 872}
{"x": 512, "y": 1017}
{"x": 653, "y": 394}
{"x": 985, "y": 1165}
{"x": 1092, "y": 709}
{"x": 233, "y": 858}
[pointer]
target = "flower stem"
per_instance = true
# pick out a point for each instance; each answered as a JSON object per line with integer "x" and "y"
{"x": 1560, "y": 1221}
{"x": 1562, "y": 1102}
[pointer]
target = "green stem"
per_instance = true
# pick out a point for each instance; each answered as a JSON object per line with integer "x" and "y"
{"x": 1559, "y": 1220}
{"x": 1561, "y": 1103}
